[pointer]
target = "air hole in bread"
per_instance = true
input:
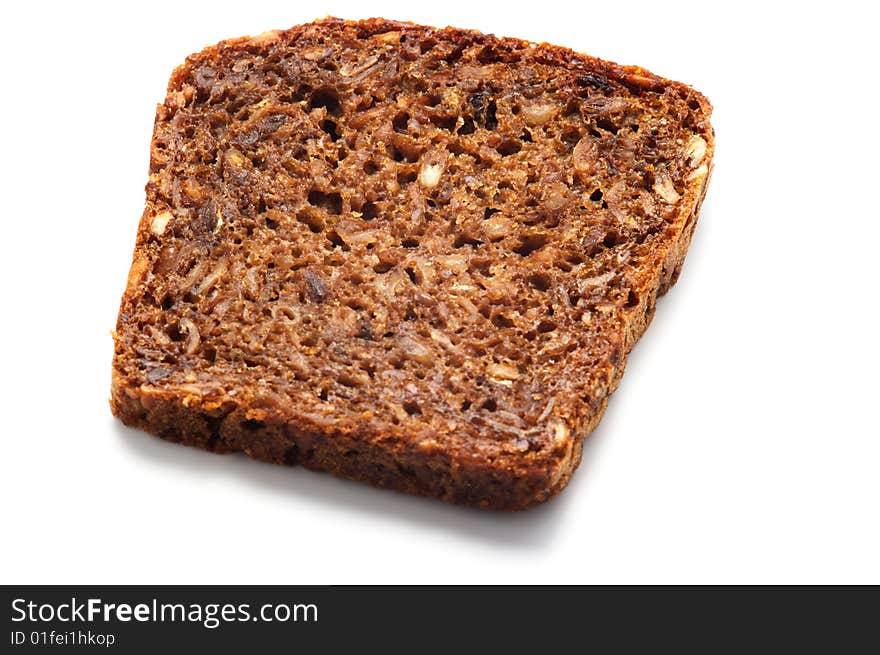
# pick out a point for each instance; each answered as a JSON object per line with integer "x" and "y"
{"x": 329, "y": 202}
{"x": 326, "y": 97}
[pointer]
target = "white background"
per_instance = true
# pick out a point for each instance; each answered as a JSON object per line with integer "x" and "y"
{"x": 742, "y": 445}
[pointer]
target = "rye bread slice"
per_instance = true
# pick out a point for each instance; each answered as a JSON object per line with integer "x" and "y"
{"x": 409, "y": 256}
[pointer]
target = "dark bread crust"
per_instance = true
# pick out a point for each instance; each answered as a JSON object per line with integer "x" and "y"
{"x": 250, "y": 416}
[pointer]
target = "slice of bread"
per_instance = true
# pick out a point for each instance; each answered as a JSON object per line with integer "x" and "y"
{"x": 409, "y": 256}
